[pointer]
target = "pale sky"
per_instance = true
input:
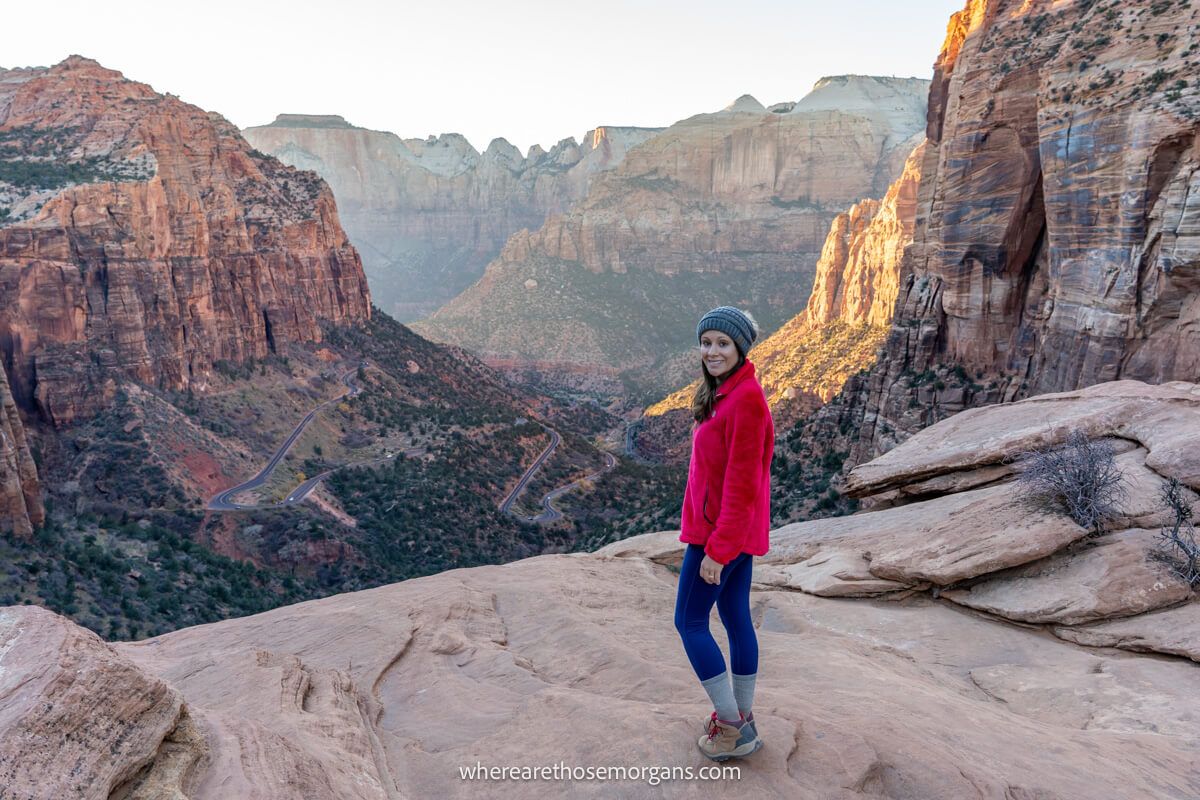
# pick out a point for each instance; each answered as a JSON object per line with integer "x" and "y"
{"x": 530, "y": 71}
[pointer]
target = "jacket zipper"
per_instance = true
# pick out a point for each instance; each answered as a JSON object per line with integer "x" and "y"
{"x": 704, "y": 509}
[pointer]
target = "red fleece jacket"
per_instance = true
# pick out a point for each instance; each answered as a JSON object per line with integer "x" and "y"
{"x": 727, "y": 503}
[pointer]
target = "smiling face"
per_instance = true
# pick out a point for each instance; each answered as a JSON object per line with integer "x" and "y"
{"x": 718, "y": 352}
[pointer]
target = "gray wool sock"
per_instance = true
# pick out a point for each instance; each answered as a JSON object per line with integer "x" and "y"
{"x": 722, "y": 696}
{"x": 743, "y": 691}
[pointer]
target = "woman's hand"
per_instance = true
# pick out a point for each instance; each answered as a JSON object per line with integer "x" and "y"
{"x": 710, "y": 570}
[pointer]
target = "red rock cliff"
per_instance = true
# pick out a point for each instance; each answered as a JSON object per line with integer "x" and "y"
{"x": 1057, "y": 242}
{"x": 859, "y": 269}
{"x": 141, "y": 236}
{"x": 20, "y": 498}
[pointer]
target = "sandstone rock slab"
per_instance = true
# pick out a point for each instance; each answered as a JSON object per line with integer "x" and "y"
{"x": 941, "y": 541}
{"x": 1175, "y": 631}
{"x": 77, "y": 719}
{"x": 1156, "y": 416}
{"x": 1111, "y": 576}
{"x": 662, "y": 546}
{"x": 574, "y": 659}
{"x": 837, "y": 573}
{"x": 566, "y": 657}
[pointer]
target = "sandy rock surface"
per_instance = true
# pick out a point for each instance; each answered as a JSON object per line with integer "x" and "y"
{"x": 574, "y": 659}
{"x": 1111, "y": 576}
{"x": 1175, "y": 631}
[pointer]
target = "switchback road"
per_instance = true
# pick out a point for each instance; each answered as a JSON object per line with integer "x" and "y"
{"x": 223, "y": 501}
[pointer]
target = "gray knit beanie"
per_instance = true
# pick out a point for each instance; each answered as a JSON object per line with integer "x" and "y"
{"x": 739, "y": 325}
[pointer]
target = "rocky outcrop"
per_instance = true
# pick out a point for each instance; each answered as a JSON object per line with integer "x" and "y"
{"x": 144, "y": 238}
{"x": 20, "y": 495}
{"x": 78, "y": 720}
{"x": 1115, "y": 578}
{"x": 429, "y": 214}
{"x": 958, "y": 521}
{"x": 731, "y": 206}
{"x": 1174, "y": 631}
{"x": 1161, "y": 418}
{"x": 1057, "y": 243}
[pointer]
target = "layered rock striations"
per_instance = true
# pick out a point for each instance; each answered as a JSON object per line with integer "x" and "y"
{"x": 143, "y": 237}
{"x": 409, "y": 689}
{"x": 858, "y": 273}
{"x": 1058, "y": 234}
{"x": 763, "y": 183}
{"x": 429, "y": 214}
{"x": 728, "y": 207}
{"x": 80, "y": 720}
{"x": 20, "y": 495}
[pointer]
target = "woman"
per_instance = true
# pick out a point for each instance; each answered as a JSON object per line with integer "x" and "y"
{"x": 725, "y": 520}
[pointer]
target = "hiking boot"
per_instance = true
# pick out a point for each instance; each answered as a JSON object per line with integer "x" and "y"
{"x": 708, "y": 723}
{"x": 726, "y": 740}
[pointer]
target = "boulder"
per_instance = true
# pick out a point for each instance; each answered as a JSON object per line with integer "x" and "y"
{"x": 77, "y": 718}
{"x": 941, "y": 541}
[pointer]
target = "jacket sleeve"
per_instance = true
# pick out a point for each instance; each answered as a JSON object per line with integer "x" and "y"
{"x": 745, "y": 440}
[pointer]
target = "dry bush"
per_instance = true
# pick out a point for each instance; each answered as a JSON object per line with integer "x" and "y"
{"x": 1080, "y": 476}
{"x": 1177, "y": 543}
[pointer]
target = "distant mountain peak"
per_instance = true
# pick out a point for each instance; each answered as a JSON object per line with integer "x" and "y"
{"x": 86, "y": 66}
{"x": 76, "y": 60}
{"x": 870, "y": 94}
{"x": 746, "y": 104}
{"x": 859, "y": 78}
{"x": 310, "y": 121}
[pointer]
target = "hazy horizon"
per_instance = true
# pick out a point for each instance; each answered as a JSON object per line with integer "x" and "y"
{"x": 530, "y": 72}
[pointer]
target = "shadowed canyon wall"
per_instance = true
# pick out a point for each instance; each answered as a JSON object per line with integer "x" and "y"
{"x": 20, "y": 495}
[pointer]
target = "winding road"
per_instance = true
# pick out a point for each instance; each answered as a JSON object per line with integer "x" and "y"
{"x": 223, "y": 501}
{"x": 549, "y": 512}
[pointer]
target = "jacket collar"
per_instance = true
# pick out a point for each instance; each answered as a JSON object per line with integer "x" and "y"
{"x": 746, "y": 370}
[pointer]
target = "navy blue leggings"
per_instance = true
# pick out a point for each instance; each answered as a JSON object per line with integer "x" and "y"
{"x": 694, "y": 602}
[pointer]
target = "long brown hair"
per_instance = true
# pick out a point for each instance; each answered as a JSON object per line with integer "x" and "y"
{"x": 706, "y": 392}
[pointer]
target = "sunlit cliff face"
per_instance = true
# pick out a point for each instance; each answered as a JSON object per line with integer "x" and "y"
{"x": 718, "y": 352}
